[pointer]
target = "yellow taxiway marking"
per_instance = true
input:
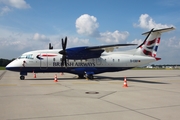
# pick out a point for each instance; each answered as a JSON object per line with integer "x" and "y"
{"x": 116, "y": 82}
{"x": 43, "y": 84}
{"x": 8, "y": 85}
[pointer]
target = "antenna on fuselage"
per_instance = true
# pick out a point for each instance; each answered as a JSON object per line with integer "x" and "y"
{"x": 50, "y": 47}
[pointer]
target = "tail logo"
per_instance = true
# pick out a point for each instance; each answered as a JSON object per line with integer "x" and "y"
{"x": 151, "y": 47}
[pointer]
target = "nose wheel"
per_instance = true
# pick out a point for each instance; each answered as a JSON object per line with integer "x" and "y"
{"x": 22, "y": 77}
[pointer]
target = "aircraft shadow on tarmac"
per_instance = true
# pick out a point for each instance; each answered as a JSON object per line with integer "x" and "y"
{"x": 134, "y": 79}
{"x": 107, "y": 78}
{"x": 59, "y": 78}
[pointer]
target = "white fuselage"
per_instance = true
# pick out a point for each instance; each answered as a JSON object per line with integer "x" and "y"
{"x": 50, "y": 60}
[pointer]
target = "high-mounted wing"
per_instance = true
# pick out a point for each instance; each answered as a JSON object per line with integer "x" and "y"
{"x": 86, "y": 52}
{"x": 108, "y": 48}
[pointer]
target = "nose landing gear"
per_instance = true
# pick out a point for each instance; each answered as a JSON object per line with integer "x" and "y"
{"x": 22, "y": 77}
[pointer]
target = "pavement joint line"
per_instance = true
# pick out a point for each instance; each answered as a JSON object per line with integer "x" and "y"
{"x": 107, "y": 95}
{"x": 158, "y": 107}
{"x": 29, "y": 95}
{"x": 70, "y": 115}
{"x": 160, "y": 89}
{"x": 65, "y": 86}
{"x": 2, "y": 75}
{"x": 58, "y": 92}
{"x": 134, "y": 110}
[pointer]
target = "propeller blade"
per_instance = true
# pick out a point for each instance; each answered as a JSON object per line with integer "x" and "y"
{"x": 63, "y": 52}
{"x": 65, "y": 42}
{"x": 62, "y": 43}
{"x": 65, "y": 62}
{"x": 62, "y": 63}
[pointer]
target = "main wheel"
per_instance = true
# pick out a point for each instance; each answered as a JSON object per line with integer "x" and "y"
{"x": 22, "y": 77}
{"x": 80, "y": 76}
{"x": 91, "y": 77}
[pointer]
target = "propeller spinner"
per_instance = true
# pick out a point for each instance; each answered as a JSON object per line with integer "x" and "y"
{"x": 63, "y": 52}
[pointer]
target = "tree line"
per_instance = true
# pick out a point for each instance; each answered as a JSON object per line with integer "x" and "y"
{"x": 4, "y": 62}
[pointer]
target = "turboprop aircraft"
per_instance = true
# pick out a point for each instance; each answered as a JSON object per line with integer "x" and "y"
{"x": 87, "y": 61}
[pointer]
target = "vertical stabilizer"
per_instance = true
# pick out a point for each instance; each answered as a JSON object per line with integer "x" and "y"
{"x": 150, "y": 45}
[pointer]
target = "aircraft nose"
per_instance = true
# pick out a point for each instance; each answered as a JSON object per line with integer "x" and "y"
{"x": 8, "y": 67}
{"x": 11, "y": 66}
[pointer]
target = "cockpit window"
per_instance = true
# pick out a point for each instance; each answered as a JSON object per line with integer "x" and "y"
{"x": 28, "y": 56}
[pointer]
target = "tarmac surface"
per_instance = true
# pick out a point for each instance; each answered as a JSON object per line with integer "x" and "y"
{"x": 150, "y": 95}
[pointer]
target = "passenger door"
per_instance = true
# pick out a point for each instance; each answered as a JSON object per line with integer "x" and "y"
{"x": 44, "y": 61}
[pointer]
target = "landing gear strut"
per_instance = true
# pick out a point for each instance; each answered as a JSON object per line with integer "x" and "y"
{"x": 22, "y": 77}
{"x": 81, "y": 76}
{"x": 90, "y": 77}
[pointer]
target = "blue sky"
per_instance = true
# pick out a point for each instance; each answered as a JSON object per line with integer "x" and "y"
{"x": 27, "y": 25}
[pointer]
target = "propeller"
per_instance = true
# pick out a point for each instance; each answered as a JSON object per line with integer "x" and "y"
{"x": 63, "y": 52}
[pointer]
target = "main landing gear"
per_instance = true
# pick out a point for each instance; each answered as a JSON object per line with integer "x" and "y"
{"x": 90, "y": 77}
{"x": 81, "y": 76}
{"x": 22, "y": 77}
{"x": 87, "y": 76}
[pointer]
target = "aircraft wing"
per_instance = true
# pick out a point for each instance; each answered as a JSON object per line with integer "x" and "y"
{"x": 91, "y": 52}
{"x": 108, "y": 48}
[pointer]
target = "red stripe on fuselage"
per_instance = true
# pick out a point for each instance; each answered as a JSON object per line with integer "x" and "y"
{"x": 48, "y": 55}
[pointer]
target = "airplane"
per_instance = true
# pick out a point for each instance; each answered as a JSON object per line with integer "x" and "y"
{"x": 87, "y": 61}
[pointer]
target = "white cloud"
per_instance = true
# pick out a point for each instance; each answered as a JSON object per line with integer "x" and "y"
{"x": 12, "y": 40}
{"x": 88, "y": 25}
{"x": 19, "y": 4}
{"x": 146, "y": 22}
{"x": 14, "y": 43}
{"x": 40, "y": 37}
{"x": 113, "y": 37}
{"x": 136, "y": 41}
{"x": 71, "y": 42}
{"x": 75, "y": 41}
{"x": 173, "y": 42}
{"x": 168, "y": 50}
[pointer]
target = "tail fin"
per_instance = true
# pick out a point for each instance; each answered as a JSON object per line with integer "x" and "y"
{"x": 150, "y": 45}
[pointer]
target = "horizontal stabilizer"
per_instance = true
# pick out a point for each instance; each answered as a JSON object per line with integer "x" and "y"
{"x": 160, "y": 30}
{"x": 150, "y": 45}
